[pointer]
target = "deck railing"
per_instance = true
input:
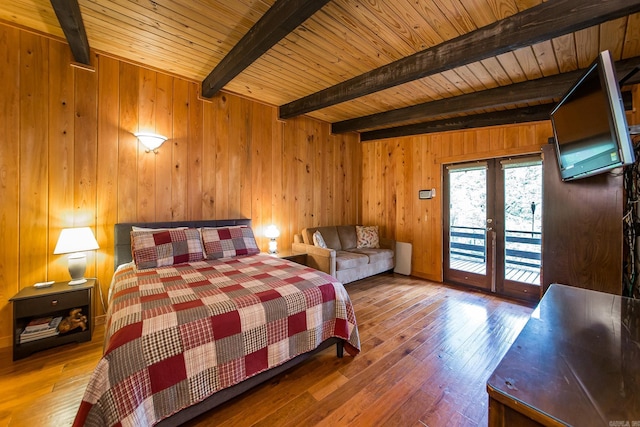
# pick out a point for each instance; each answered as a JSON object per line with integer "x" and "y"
{"x": 523, "y": 248}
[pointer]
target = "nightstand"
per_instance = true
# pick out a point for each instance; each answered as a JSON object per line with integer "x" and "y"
{"x": 56, "y": 300}
{"x": 297, "y": 258}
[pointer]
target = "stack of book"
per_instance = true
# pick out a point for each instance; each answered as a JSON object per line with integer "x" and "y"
{"x": 40, "y": 328}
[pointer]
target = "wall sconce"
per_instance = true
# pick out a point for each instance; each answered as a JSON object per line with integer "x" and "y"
{"x": 151, "y": 141}
{"x": 272, "y": 233}
{"x": 75, "y": 241}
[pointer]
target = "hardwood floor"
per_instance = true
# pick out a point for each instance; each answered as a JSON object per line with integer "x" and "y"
{"x": 427, "y": 351}
{"x": 521, "y": 275}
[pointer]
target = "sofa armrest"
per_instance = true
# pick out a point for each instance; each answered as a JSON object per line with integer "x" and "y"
{"x": 388, "y": 243}
{"x": 319, "y": 258}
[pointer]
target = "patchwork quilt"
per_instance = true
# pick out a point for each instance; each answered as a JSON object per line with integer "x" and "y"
{"x": 177, "y": 334}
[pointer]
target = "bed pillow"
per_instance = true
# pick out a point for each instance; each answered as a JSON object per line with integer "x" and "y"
{"x": 318, "y": 240}
{"x": 151, "y": 249}
{"x": 136, "y": 228}
{"x": 226, "y": 242}
{"x": 367, "y": 236}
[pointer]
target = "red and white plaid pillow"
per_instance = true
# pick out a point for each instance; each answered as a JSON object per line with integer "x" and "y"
{"x": 153, "y": 249}
{"x": 225, "y": 242}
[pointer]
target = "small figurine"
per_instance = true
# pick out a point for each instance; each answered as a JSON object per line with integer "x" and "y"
{"x": 74, "y": 320}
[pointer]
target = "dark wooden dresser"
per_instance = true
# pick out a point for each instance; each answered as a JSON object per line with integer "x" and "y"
{"x": 576, "y": 362}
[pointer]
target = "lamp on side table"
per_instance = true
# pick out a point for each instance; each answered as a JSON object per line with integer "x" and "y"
{"x": 272, "y": 233}
{"x": 76, "y": 241}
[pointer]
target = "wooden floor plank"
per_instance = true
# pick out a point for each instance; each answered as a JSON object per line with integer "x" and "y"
{"x": 511, "y": 273}
{"x": 427, "y": 351}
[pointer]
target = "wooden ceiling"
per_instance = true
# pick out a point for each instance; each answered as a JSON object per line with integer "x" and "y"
{"x": 381, "y": 67}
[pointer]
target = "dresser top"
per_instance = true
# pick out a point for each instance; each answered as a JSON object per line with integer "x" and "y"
{"x": 577, "y": 360}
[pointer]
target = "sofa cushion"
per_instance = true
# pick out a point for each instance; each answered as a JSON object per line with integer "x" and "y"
{"x": 346, "y": 260}
{"x": 374, "y": 255}
{"x": 329, "y": 234}
{"x": 348, "y": 238}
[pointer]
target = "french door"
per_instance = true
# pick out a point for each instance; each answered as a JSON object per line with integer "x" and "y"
{"x": 493, "y": 224}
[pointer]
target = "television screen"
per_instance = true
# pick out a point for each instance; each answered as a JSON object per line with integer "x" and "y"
{"x": 589, "y": 124}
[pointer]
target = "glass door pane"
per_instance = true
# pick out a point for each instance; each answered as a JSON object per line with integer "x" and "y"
{"x": 522, "y": 221}
{"x": 467, "y": 253}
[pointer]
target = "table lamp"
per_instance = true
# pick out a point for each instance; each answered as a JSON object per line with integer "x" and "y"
{"x": 76, "y": 241}
{"x": 272, "y": 233}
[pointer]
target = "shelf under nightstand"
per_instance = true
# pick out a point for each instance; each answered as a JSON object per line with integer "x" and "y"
{"x": 56, "y": 300}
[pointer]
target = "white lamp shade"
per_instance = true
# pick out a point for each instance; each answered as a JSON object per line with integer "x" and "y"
{"x": 150, "y": 140}
{"x": 271, "y": 232}
{"x": 75, "y": 240}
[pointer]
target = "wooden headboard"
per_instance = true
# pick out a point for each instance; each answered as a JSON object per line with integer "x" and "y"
{"x": 122, "y": 233}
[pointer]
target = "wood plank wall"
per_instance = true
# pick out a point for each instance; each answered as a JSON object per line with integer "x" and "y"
{"x": 395, "y": 169}
{"x": 68, "y": 157}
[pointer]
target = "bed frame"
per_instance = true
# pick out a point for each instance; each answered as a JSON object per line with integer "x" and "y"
{"x": 122, "y": 254}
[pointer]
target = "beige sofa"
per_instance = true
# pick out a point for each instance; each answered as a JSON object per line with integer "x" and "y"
{"x": 342, "y": 259}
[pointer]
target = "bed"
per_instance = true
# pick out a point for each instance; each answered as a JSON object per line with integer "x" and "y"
{"x": 187, "y": 331}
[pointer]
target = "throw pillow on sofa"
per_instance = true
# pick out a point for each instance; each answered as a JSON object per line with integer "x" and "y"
{"x": 367, "y": 236}
{"x": 318, "y": 240}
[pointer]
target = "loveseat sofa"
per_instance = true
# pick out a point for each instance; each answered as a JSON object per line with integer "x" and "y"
{"x": 343, "y": 257}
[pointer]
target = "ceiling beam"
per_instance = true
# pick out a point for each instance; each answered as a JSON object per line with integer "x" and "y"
{"x": 70, "y": 18}
{"x": 539, "y": 23}
{"x": 539, "y": 90}
{"x": 281, "y": 19}
{"x": 507, "y": 117}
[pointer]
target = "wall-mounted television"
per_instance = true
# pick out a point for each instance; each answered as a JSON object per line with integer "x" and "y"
{"x": 589, "y": 125}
